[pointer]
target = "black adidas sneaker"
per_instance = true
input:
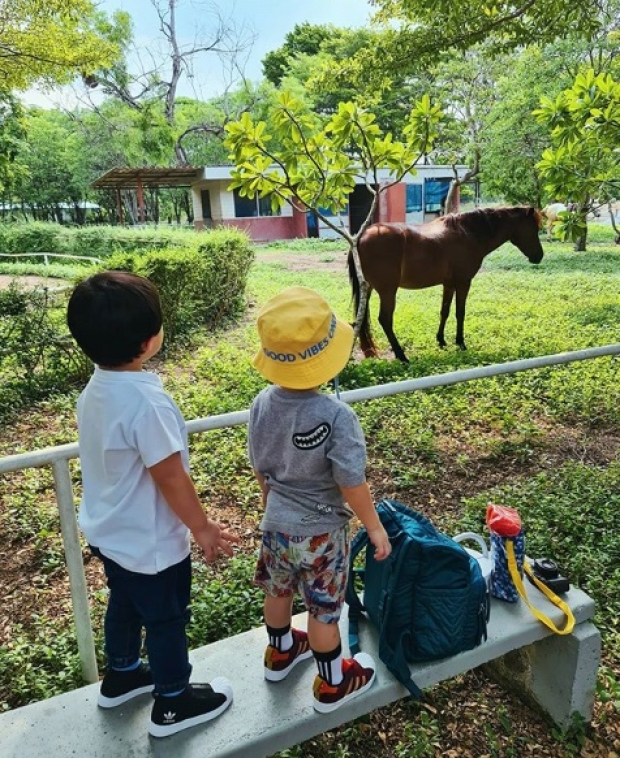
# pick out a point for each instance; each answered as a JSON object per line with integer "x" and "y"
{"x": 195, "y": 705}
{"x": 118, "y": 687}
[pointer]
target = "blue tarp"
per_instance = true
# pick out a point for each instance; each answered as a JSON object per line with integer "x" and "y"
{"x": 414, "y": 198}
{"x": 435, "y": 193}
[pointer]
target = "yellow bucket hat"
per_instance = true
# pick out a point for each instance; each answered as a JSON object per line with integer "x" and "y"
{"x": 303, "y": 343}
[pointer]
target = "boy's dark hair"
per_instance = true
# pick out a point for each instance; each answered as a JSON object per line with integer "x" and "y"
{"x": 112, "y": 314}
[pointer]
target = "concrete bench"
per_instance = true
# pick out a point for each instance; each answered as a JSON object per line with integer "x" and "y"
{"x": 558, "y": 674}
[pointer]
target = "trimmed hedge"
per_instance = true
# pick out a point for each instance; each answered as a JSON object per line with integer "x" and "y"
{"x": 95, "y": 241}
{"x": 202, "y": 284}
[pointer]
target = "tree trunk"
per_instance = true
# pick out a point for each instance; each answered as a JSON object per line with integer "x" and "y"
{"x": 187, "y": 205}
{"x": 364, "y": 288}
{"x": 580, "y": 242}
{"x": 612, "y": 218}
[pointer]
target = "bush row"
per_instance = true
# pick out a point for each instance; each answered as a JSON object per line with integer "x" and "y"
{"x": 94, "y": 241}
{"x": 201, "y": 284}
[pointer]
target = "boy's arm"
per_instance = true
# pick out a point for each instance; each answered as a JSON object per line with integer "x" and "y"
{"x": 264, "y": 487}
{"x": 360, "y": 500}
{"x": 176, "y": 486}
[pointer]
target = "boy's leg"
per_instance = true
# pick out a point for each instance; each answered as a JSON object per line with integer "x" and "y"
{"x": 287, "y": 647}
{"x": 127, "y": 676}
{"x": 323, "y": 585}
{"x": 122, "y": 625}
{"x": 163, "y": 603}
{"x": 277, "y": 612}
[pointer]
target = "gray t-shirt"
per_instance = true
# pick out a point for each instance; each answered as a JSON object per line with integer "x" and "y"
{"x": 306, "y": 445}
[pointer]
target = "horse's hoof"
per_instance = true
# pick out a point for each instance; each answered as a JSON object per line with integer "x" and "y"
{"x": 461, "y": 346}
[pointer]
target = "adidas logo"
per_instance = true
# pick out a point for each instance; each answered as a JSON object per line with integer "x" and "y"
{"x": 169, "y": 717}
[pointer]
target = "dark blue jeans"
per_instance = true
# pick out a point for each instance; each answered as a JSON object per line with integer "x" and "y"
{"x": 159, "y": 603}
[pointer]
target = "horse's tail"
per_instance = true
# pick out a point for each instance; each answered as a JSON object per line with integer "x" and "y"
{"x": 366, "y": 342}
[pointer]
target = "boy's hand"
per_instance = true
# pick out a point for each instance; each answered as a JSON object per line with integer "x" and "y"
{"x": 381, "y": 542}
{"x": 212, "y": 538}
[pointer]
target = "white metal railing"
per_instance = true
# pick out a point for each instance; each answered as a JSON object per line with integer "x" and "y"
{"x": 47, "y": 256}
{"x": 58, "y": 458}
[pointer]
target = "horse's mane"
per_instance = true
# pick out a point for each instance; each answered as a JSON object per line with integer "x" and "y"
{"x": 486, "y": 221}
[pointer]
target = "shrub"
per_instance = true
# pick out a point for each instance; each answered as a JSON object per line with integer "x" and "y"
{"x": 94, "y": 241}
{"x": 199, "y": 285}
{"x": 37, "y": 356}
{"x": 35, "y": 237}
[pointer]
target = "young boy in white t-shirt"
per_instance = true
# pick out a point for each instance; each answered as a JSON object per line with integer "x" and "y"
{"x": 139, "y": 504}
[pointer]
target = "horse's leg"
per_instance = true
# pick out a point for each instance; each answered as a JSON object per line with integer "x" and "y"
{"x": 462, "y": 291}
{"x": 386, "y": 318}
{"x": 446, "y": 302}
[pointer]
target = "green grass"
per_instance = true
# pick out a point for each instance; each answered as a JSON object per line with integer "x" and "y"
{"x": 507, "y": 423}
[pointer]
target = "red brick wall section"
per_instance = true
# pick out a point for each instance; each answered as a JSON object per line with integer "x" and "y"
{"x": 395, "y": 197}
{"x": 299, "y": 223}
{"x": 267, "y": 228}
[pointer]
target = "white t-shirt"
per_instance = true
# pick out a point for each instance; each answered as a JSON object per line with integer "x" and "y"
{"x": 128, "y": 423}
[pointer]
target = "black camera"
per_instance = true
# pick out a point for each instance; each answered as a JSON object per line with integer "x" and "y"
{"x": 547, "y": 572}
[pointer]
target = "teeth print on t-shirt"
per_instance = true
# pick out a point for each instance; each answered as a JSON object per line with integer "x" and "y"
{"x": 313, "y": 438}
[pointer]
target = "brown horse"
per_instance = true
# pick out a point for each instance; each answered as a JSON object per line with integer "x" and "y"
{"x": 447, "y": 251}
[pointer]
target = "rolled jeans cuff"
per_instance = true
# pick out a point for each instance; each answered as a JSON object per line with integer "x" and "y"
{"x": 181, "y": 684}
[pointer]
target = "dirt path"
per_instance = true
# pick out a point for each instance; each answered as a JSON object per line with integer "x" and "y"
{"x": 30, "y": 282}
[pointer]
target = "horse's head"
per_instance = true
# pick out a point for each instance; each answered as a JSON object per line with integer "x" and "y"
{"x": 528, "y": 223}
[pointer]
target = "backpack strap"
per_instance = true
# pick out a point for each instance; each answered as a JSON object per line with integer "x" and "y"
{"x": 394, "y": 656}
{"x": 516, "y": 578}
{"x": 356, "y": 609}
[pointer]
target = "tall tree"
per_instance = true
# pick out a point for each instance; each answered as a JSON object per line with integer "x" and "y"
{"x": 305, "y": 39}
{"x": 149, "y": 82}
{"x": 512, "y": 139}
{"x": 55, "y": 171}
{"x": 315, "y": 162}
{"x": 412, "y": 35}
{"x": 49, "y": 42}
{"x": 12, "y": 134}
{"x": 421, "y": 28}
{"x": 466, "y": 85}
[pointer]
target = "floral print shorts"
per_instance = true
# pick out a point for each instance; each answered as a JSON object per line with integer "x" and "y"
{"x": 316, "y": 567}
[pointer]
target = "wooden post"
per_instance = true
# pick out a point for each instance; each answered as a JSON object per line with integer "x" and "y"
{"x": 140, "y": 198}
{"x": 119, "y": 206}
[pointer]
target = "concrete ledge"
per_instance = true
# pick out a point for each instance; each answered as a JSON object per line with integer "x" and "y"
{"x": 264, "y": 717}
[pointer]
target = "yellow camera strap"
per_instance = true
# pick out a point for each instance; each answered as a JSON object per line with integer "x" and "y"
{"x": 516, "y": 578}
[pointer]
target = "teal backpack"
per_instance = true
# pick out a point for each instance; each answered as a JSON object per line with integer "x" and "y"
{"x": 428, "y": 599}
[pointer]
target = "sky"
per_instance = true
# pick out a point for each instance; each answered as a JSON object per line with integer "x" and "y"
{"x": 268, "y": 21}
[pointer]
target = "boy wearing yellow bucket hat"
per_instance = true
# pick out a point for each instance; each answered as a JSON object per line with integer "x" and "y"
{"x": 308, "y": 452}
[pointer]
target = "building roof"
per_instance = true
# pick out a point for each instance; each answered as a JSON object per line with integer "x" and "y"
{"x": 129, "y": 178}
{"x": 153, "y": 176}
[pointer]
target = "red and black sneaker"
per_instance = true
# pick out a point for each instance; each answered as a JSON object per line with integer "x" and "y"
{"x": 358, "y": 675}
{"x": 278, "y": 665}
